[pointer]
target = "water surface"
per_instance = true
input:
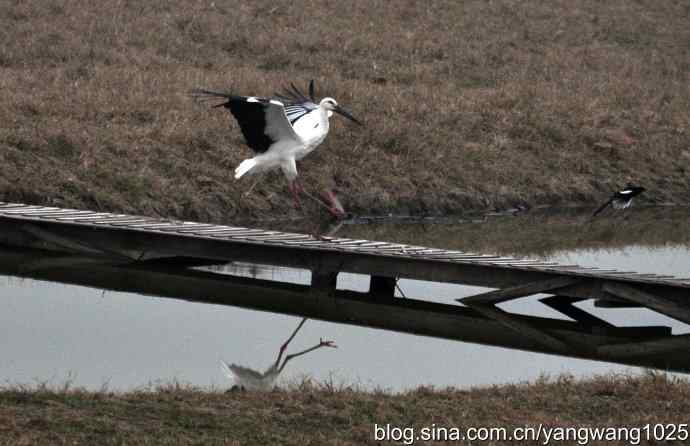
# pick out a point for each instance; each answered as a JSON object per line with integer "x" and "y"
{"x": 54, "y": 332}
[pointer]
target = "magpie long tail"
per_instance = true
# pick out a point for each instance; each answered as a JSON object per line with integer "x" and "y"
{"x": 602, "y": 207}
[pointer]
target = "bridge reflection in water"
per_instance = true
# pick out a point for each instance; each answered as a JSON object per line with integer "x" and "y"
{"x": 585, "y": 336}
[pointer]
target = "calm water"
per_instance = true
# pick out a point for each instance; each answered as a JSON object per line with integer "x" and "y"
{"x": 54, "y": 333}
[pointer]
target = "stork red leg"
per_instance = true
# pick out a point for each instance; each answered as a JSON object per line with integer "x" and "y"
{"x": 295, "y": 189}
{"x": 334, "y": 206}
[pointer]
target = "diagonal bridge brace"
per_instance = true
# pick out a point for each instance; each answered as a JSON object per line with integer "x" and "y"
{"x": 651, "y": 301}
{"x": 485, "y": 304}
{"x": 74, "y": 245}
{"x": 521, "y": 327}
{"x": 516, "y": 292}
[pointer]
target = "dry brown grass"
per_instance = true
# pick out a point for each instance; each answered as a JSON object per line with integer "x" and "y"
{"x": 321, "y": 415}
{"x": 469, "y": 104}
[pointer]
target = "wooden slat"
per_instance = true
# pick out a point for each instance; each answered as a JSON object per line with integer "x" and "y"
{"x": 154, "y": 225}
{"x": 128, "y": 223}
{"x": 621, "y": 273}
{"x": 221, "y": 229}
{"x": 94, "y": 218}
{"x": 467, "y": 257}
{"x": 166, "y": 225}
{"x": 225, "y": 235}
{"x": 74, "y": 216}
{"x": 522, "y": 262}
{"x": 567, "y": 268}
{"x": 27, "y": 210}
{"x": 268, "y": 234}
{"x": 46, "y": 211}
{"x": 416, "y": 251}
{"x": 124, "y": 223}
{"x": 388, "y": 247}
{"x": 248, "y": 233}
{"x": 283, "y": 236}
{"x": 352, "y": 243}
{"x": 337, "y": 240}
{"x": 371, "y": 246}
{"x": 308, "y": 242}
{"x": 4, "y": 206}
{"x": 427, "y": 251}
{"x": 184, "y": 227}
{"x": 454, "y": 255}
{"x": 194, "y": 230}
{"x": 63, "y": 213}
{"x": 118, "y": 220}
{"x": 590, "y": 271}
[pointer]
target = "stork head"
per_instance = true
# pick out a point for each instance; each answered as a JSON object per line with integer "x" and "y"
{"x": 330, "y": 105}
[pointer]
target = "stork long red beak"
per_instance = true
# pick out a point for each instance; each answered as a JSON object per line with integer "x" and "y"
{"x": 338, "y": 109}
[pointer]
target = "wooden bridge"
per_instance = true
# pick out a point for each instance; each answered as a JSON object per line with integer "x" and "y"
{"x": 153, "y": 256}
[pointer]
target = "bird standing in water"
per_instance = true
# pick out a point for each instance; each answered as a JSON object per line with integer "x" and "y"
{"x": 281, "y": 131}
{"x": 249, "y": 379}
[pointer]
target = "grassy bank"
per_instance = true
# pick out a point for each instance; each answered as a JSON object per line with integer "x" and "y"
{"x": 326, "y": 415}
{"x": 469, "y": 105}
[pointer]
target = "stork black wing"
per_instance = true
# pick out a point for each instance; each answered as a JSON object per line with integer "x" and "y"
{"x": 251, "y": 117}
{"x": 249, "y": 112}
{"x": 294, "y": 112}
{"x": 296, "y": 103}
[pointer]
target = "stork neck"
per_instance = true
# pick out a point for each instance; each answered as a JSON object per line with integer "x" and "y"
{"x": 325, "y": 114}
{"x": 323, "y": 118}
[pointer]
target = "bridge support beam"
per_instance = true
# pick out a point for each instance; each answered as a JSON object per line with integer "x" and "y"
{"x": 527, "y": 289}
{"x": 664, "y": 345}
{"x": 522, "y": 328}
{"x": 382, "y": 286}
{"x": 643, "y": 298}
{"x": 324, "y": 281}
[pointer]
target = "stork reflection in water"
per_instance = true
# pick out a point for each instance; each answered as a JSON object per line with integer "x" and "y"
{"x": 249, "y": 379}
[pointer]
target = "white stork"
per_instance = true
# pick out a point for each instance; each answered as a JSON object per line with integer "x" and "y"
{"x": 621, "y": 199}
{"x": 280, "y": 131}
{"x": 249, "y": 379}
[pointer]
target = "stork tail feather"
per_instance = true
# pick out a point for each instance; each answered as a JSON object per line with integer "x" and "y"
{"x": 226, "y": 370}
{"x": 200, "y": 94}
{"x": 244, "y": 167}
{"x": 311, "y": 90}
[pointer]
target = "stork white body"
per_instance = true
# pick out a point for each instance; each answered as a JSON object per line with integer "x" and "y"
{"x": 293, "y": 144}
{"x": 249, "y": 379}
